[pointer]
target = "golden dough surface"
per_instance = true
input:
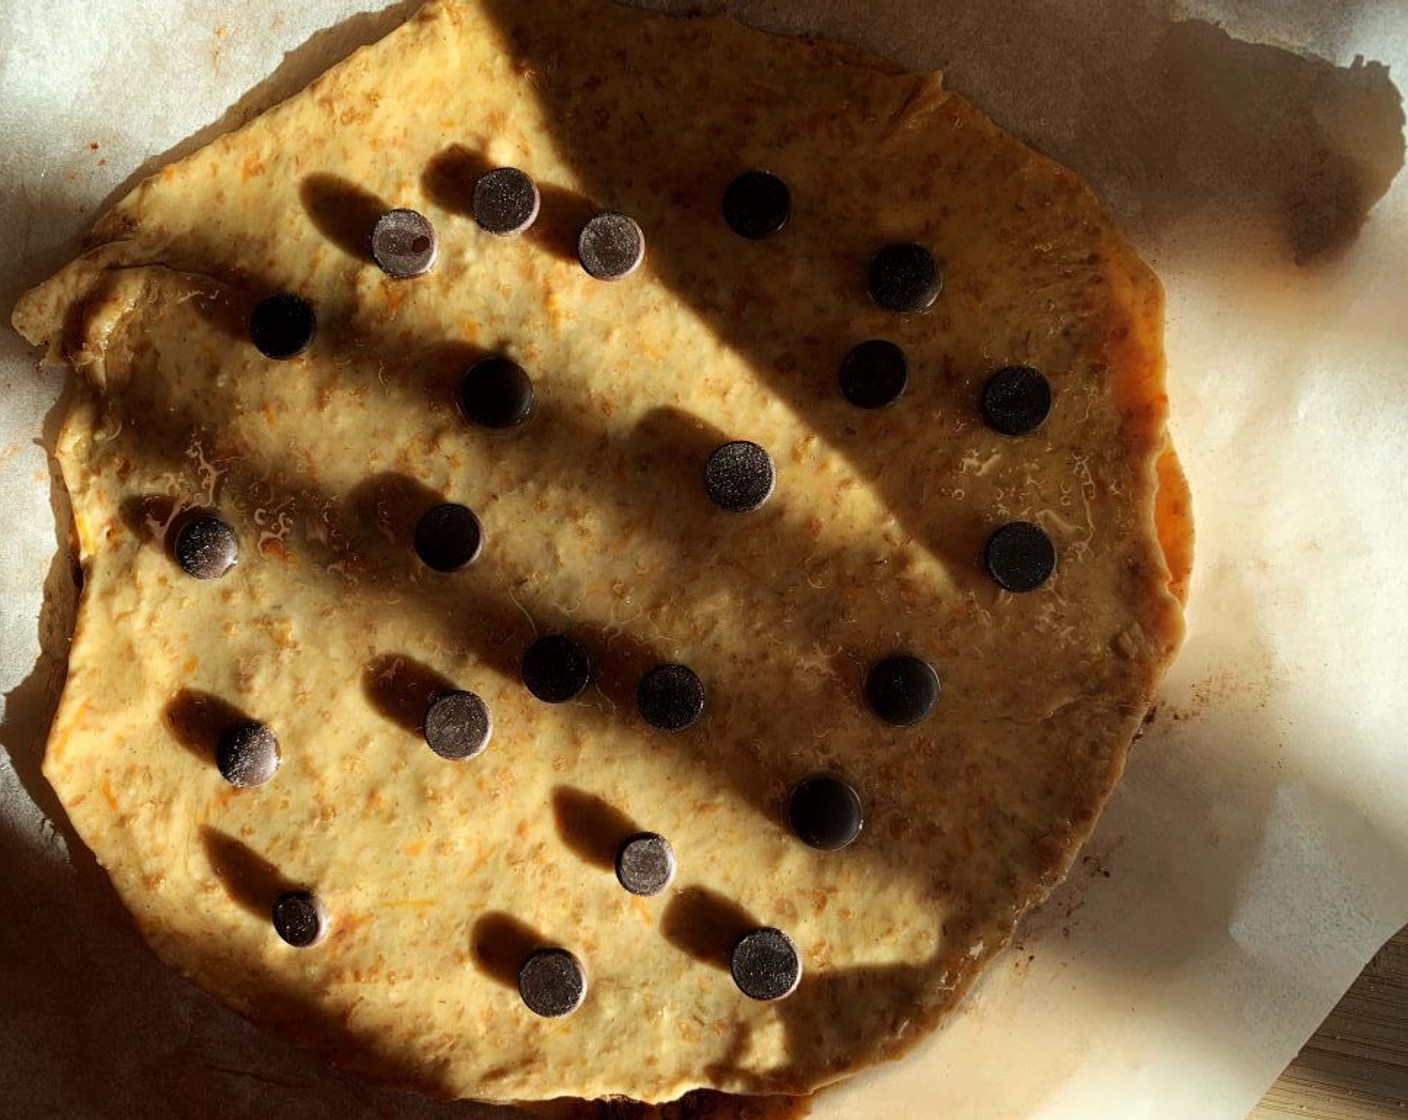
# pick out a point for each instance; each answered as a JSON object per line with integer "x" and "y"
{"x": 439, "y": 876}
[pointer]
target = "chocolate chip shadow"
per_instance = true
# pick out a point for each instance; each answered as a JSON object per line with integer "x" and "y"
{"x": 249, "y": 879}
{"x": 501, "y": 943}
{"x": 589, "y": 826}
{"x": 705, "y": 924}
{"x": 401, "y": 689}
{"x": 619, "y": 659}
{"x": 385, "y": 507}
{"x": 148, "y": 516}
{"x": 198, "y": 719}
{"x": 672, "y": 446}
{"x": 343, "y": 212}
{"x": 450, "y": 177}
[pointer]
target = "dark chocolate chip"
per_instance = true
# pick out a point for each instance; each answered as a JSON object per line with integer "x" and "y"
{"x": 902, "y": 689}
{"x": 556, "y": 668}
{"x": 282, "y": 326}
{"x": 458, "y": 725}
{"x": 825, "y": 812}
{"x": 1016, "y": 400}
{"x": 739, "y": 476}
{"x": 505, "y": 201}
{"x": 905, "y": 277}
{"x": 552, "y": 983}
{"x": 248, "y": 754}
{"x": 670, "y": 697}
{"x": 205, "y": 547}
{"x": 448, "y": 537}
{"x": 299, "y": 918}
{"x": 496, "y": 393}
{"x": 404, "y": 244}
{"x": 1020, "y": 556}
{"x": 757, "y": 205}
{"x": 611, "y": 246}
{"x": 874, "y": 373}
{"x": 766, "y": 965}
{"x": 645, "y": 864}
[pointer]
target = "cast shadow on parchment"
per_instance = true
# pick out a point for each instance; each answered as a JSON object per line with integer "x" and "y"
{"x": 1188, "y": 134}
{"x": 1304, "y": 174}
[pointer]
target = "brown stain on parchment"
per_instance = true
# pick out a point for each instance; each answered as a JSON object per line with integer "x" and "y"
{"x": 1223, "y": 686}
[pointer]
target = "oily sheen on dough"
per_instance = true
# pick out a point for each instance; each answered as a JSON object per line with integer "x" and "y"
{"x": 438, "y": 876}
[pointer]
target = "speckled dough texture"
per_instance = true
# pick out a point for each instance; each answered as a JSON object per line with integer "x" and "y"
{"x": 439, "y": 877}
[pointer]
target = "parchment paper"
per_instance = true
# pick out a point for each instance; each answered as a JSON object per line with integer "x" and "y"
{"x": 1256, "y": 853}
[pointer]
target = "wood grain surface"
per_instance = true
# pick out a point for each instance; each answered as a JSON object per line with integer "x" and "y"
{"x": 1356, "y": 1066}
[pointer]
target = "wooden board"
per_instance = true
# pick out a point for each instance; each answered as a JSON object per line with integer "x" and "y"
{"x": 1356, "y": 1066}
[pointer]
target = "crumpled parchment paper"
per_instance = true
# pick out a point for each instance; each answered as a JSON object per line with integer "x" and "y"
{"x": 1256, "y": 853}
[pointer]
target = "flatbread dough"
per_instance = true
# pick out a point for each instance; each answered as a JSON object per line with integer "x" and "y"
{"x": 439, "y": 876}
